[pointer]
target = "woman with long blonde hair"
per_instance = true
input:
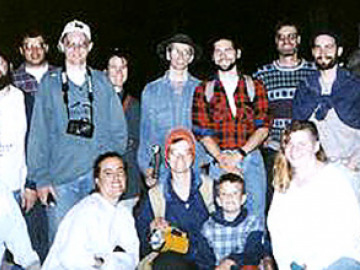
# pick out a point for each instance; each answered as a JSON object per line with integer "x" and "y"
{"x": 314, "y": 219}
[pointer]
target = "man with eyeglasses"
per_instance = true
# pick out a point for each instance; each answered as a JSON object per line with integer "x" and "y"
{"x": 167, "y": 101}
{"x": 281, "y": 77}
{"x": 33, "y": 49}
{"x": 27, "y": 77}
{"x": 76, "y": 117}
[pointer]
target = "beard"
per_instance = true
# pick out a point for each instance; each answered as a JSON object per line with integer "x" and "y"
{"x": 4, "y": 81}
{"x": 230, "y": 67}
{"x": 326, "y": 66}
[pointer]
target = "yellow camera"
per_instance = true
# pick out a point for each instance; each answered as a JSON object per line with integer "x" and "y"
{"x": 170, "y": 239}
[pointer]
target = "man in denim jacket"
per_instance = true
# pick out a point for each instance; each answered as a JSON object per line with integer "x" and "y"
{"x": 76, "y": 117}
{"x": 167, "y": 101}
{"x": 330, "y": 98}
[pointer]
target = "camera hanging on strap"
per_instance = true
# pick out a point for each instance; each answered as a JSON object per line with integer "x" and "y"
{"x": 79, "y": 127}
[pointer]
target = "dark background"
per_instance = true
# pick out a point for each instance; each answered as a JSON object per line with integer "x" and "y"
{"x": 137, "y": 26}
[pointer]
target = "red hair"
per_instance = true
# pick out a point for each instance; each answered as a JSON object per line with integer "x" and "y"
{"x": 179, "y": 134}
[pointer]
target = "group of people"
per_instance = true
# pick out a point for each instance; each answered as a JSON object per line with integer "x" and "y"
{"x": 235, "y": 172}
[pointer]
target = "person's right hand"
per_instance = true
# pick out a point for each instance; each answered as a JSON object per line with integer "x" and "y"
{"x": 43, "y": 194}
{"x": 150, "y": 181}
{"x": 159, "y": 223}
{"x": 28, "y": 199}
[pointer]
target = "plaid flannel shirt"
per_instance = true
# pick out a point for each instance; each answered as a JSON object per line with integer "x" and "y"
{"x": 26, "y": 81}
{"x": 235, "y": 240}
{"x": 213, "y": 117}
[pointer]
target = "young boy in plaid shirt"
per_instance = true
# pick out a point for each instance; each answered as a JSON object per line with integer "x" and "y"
{"x": 233, "y": 238}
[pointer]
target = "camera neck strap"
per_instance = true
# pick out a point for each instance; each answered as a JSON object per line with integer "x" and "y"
{"x": 65, "y": 90}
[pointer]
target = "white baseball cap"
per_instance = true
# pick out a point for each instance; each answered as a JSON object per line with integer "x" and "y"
{"x": 74, "y": 26}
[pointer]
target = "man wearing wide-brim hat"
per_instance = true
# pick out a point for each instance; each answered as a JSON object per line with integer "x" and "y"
{"x": 167, "y": 101}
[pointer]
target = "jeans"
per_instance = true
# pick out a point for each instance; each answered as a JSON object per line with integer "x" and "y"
{"x": 255, "y": 181}
{"x": 37, "y": 224}
{"x": 67, "y": 195}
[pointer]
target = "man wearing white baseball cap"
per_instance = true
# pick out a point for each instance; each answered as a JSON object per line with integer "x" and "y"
{"x": 77, "y": 116}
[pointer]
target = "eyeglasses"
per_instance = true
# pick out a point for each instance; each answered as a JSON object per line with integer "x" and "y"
{"x": 185, "y": 54}
{"x": 32, "y": 46}
{"x": 291, "y": 37}
{"x": 73, "y": 46}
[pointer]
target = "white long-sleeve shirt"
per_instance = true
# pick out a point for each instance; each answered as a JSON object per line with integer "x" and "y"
{"x": 93, "y": 228}
{"x": 12, "y": 138}
{"x": 13, "y": 231}
{"x": 316, "y": 224}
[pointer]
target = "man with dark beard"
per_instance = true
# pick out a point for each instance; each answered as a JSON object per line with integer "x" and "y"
{"x": 330, "y": 98}
{"x": 281, "y": 77}
{"x": 230, "y": 118}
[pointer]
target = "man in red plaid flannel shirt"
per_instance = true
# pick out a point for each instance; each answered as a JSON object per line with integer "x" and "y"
{"x": 230, "y": 117}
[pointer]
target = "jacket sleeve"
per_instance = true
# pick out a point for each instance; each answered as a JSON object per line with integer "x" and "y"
{"x": 143, "y": 221}
{"x": 145, "y": 131}
{"x": 261, "y": 105}
{"x": 304, "y": 103}
{"x": 39, "y": 143}
{"x": 204, "y": 254}
{"x": 118, "y": 125}
{"x": 253, "y": 250}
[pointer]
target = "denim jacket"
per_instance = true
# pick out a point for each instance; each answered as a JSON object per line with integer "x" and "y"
{"x": 56, "y": 157}
{"x": 344, "y": 98}
{"x": 162, "y": 110}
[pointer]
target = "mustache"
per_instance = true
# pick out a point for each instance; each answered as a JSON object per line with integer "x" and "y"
{"x": 327, "y": 57}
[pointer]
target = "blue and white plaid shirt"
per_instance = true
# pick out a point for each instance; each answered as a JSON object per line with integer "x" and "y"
{"x": 239, "y": 239}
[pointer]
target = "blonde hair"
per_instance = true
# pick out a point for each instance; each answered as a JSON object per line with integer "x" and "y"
{"x": 282, "y": 168}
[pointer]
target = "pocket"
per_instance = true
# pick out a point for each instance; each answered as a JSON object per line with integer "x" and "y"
{"x": 163, "y": 117}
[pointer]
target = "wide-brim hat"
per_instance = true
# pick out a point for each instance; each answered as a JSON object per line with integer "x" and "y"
{"x": 178, "y": 38}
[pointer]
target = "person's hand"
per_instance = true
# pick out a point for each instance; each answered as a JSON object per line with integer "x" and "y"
{"x": 229, "y": 162}
{"x": 268, "y": 263}
{"x": 34, "y": 266}
{"x": 44, "y": 193}
{"x": 150, "y": 181}
{"x": 28, "y": 199}
{"x": 352, "y": 163}
{"x": 225, "y": 264}
{"x": 159, "y": 223}
{"x": 225, "y": 160}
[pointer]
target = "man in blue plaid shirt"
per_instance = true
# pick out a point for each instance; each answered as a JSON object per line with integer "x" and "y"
{"x": 233, "y": 238}
{"x": 27, "y": 77}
